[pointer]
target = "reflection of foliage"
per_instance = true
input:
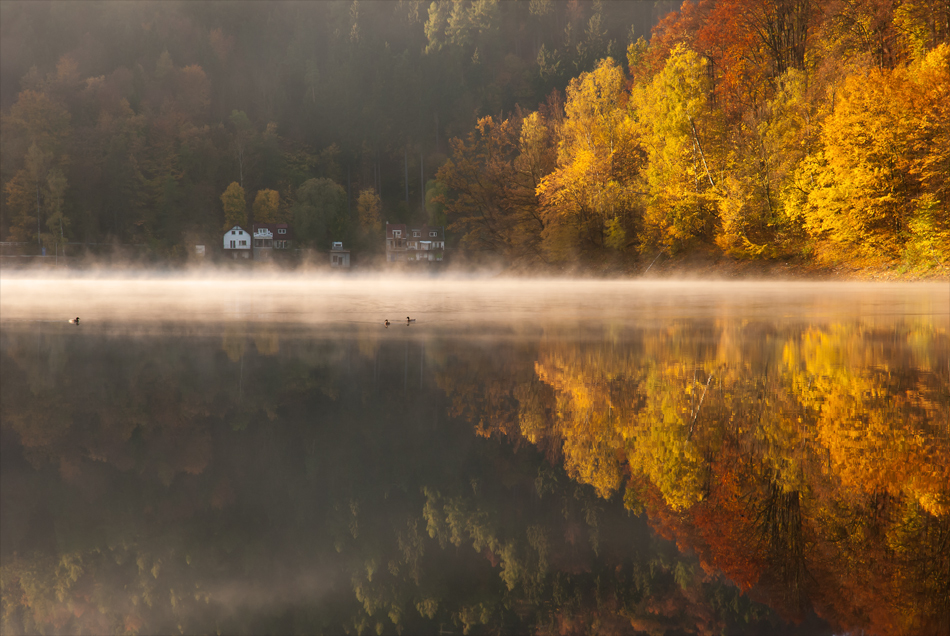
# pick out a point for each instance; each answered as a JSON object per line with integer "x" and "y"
{"x": 880, "y": 426}
{"x": 798, "y": 463}
{"x": 173, "y": 488}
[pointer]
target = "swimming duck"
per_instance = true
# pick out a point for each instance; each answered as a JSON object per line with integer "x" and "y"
{"x": 408, "y": 320}
{"x": 386, "y": 322}
{"x": 74, "y": 321}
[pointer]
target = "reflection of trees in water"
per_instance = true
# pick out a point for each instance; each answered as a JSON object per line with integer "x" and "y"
{"x": 767, "y": 451}
{"x": 157, "y": 484}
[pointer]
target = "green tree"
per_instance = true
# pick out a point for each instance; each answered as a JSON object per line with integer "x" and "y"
{"x": 435, "y": 206}
{"x": 320, "y": 213}
{"x": 241, "y": 140}
{"x": 57, "y": 222}
{"x": 235, "y": 208}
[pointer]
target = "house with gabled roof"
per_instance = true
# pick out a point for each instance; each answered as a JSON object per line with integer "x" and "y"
{"x": 237, "y": 242}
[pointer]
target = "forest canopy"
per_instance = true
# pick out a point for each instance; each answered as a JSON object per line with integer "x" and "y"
{"x": 548, "y": 133}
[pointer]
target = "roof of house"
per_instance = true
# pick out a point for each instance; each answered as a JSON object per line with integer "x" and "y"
{"x": 395, "y": 226}
{"x": 428, "y": 230}
{"x": 408, "y": 232}
{"x": 236, "y": 227}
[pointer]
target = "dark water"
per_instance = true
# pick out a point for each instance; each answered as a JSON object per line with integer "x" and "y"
{"x": 600, "y": 460}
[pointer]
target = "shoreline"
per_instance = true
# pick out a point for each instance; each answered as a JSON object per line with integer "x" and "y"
{"x": 690, "y": 266}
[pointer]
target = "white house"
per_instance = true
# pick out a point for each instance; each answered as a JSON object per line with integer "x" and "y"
{"x": 237, "y": 242}
{"x": 339, "y": 257}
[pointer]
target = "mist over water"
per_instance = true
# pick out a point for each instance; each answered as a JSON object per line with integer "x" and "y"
{"x": 441, "y": 302}
{"x": 252, "y": 454}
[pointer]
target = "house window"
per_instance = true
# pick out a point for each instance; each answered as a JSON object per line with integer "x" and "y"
{"x": 243, "y": 243}
{"x": 433, "y": 233}
{"x": 232, "y": 231}
{"x": 232, "y": 245}
{"x": 416, "y": 233}
{"x": 397, "y": 233}
{"x": 281, "y": 231}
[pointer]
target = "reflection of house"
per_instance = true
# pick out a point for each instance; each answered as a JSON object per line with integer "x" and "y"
{"x": 414, "y": 244}
{"x": 237, "y": 242}
{"x": 339, "y": 257}
{"x": 269, "y": 237}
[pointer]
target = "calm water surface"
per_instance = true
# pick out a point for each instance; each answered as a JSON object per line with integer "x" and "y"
{"x": 265, "y": 456}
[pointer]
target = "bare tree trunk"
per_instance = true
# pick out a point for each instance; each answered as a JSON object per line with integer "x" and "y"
{"x": 699, "y": 147}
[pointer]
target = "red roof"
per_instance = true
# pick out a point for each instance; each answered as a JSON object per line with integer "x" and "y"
{"x": 395, "y": 226}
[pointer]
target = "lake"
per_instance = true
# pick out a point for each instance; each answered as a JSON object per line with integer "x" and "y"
{"x": 263, "y": 455}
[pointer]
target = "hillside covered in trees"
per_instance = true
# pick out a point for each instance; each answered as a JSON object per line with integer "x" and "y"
{"x": 548, "y": 134}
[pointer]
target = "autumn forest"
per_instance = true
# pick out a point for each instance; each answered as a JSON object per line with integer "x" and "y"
{"x": 542, "y": 133}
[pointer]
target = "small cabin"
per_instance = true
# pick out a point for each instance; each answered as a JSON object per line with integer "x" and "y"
{"x": 237, "y": 242}
{"x": 339, "y": 257}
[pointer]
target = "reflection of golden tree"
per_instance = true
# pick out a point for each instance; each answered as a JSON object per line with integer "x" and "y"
{"x": 586, "y": 413}
{"x": 879, "y": 424}
{"x": 806, "y": 466}
{"x": 267, "y": 343}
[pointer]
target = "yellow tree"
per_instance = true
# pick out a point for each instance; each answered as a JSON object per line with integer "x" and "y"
{"x": 265, "y": 206}
{"x": 235, "y": 209}
{"x": 761, "y": 160}
{"x": 877, "y": 188}
{"x": 368, "y": 211}
{"x": 588, "y": 202}
{"x": 675, "y": 119}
